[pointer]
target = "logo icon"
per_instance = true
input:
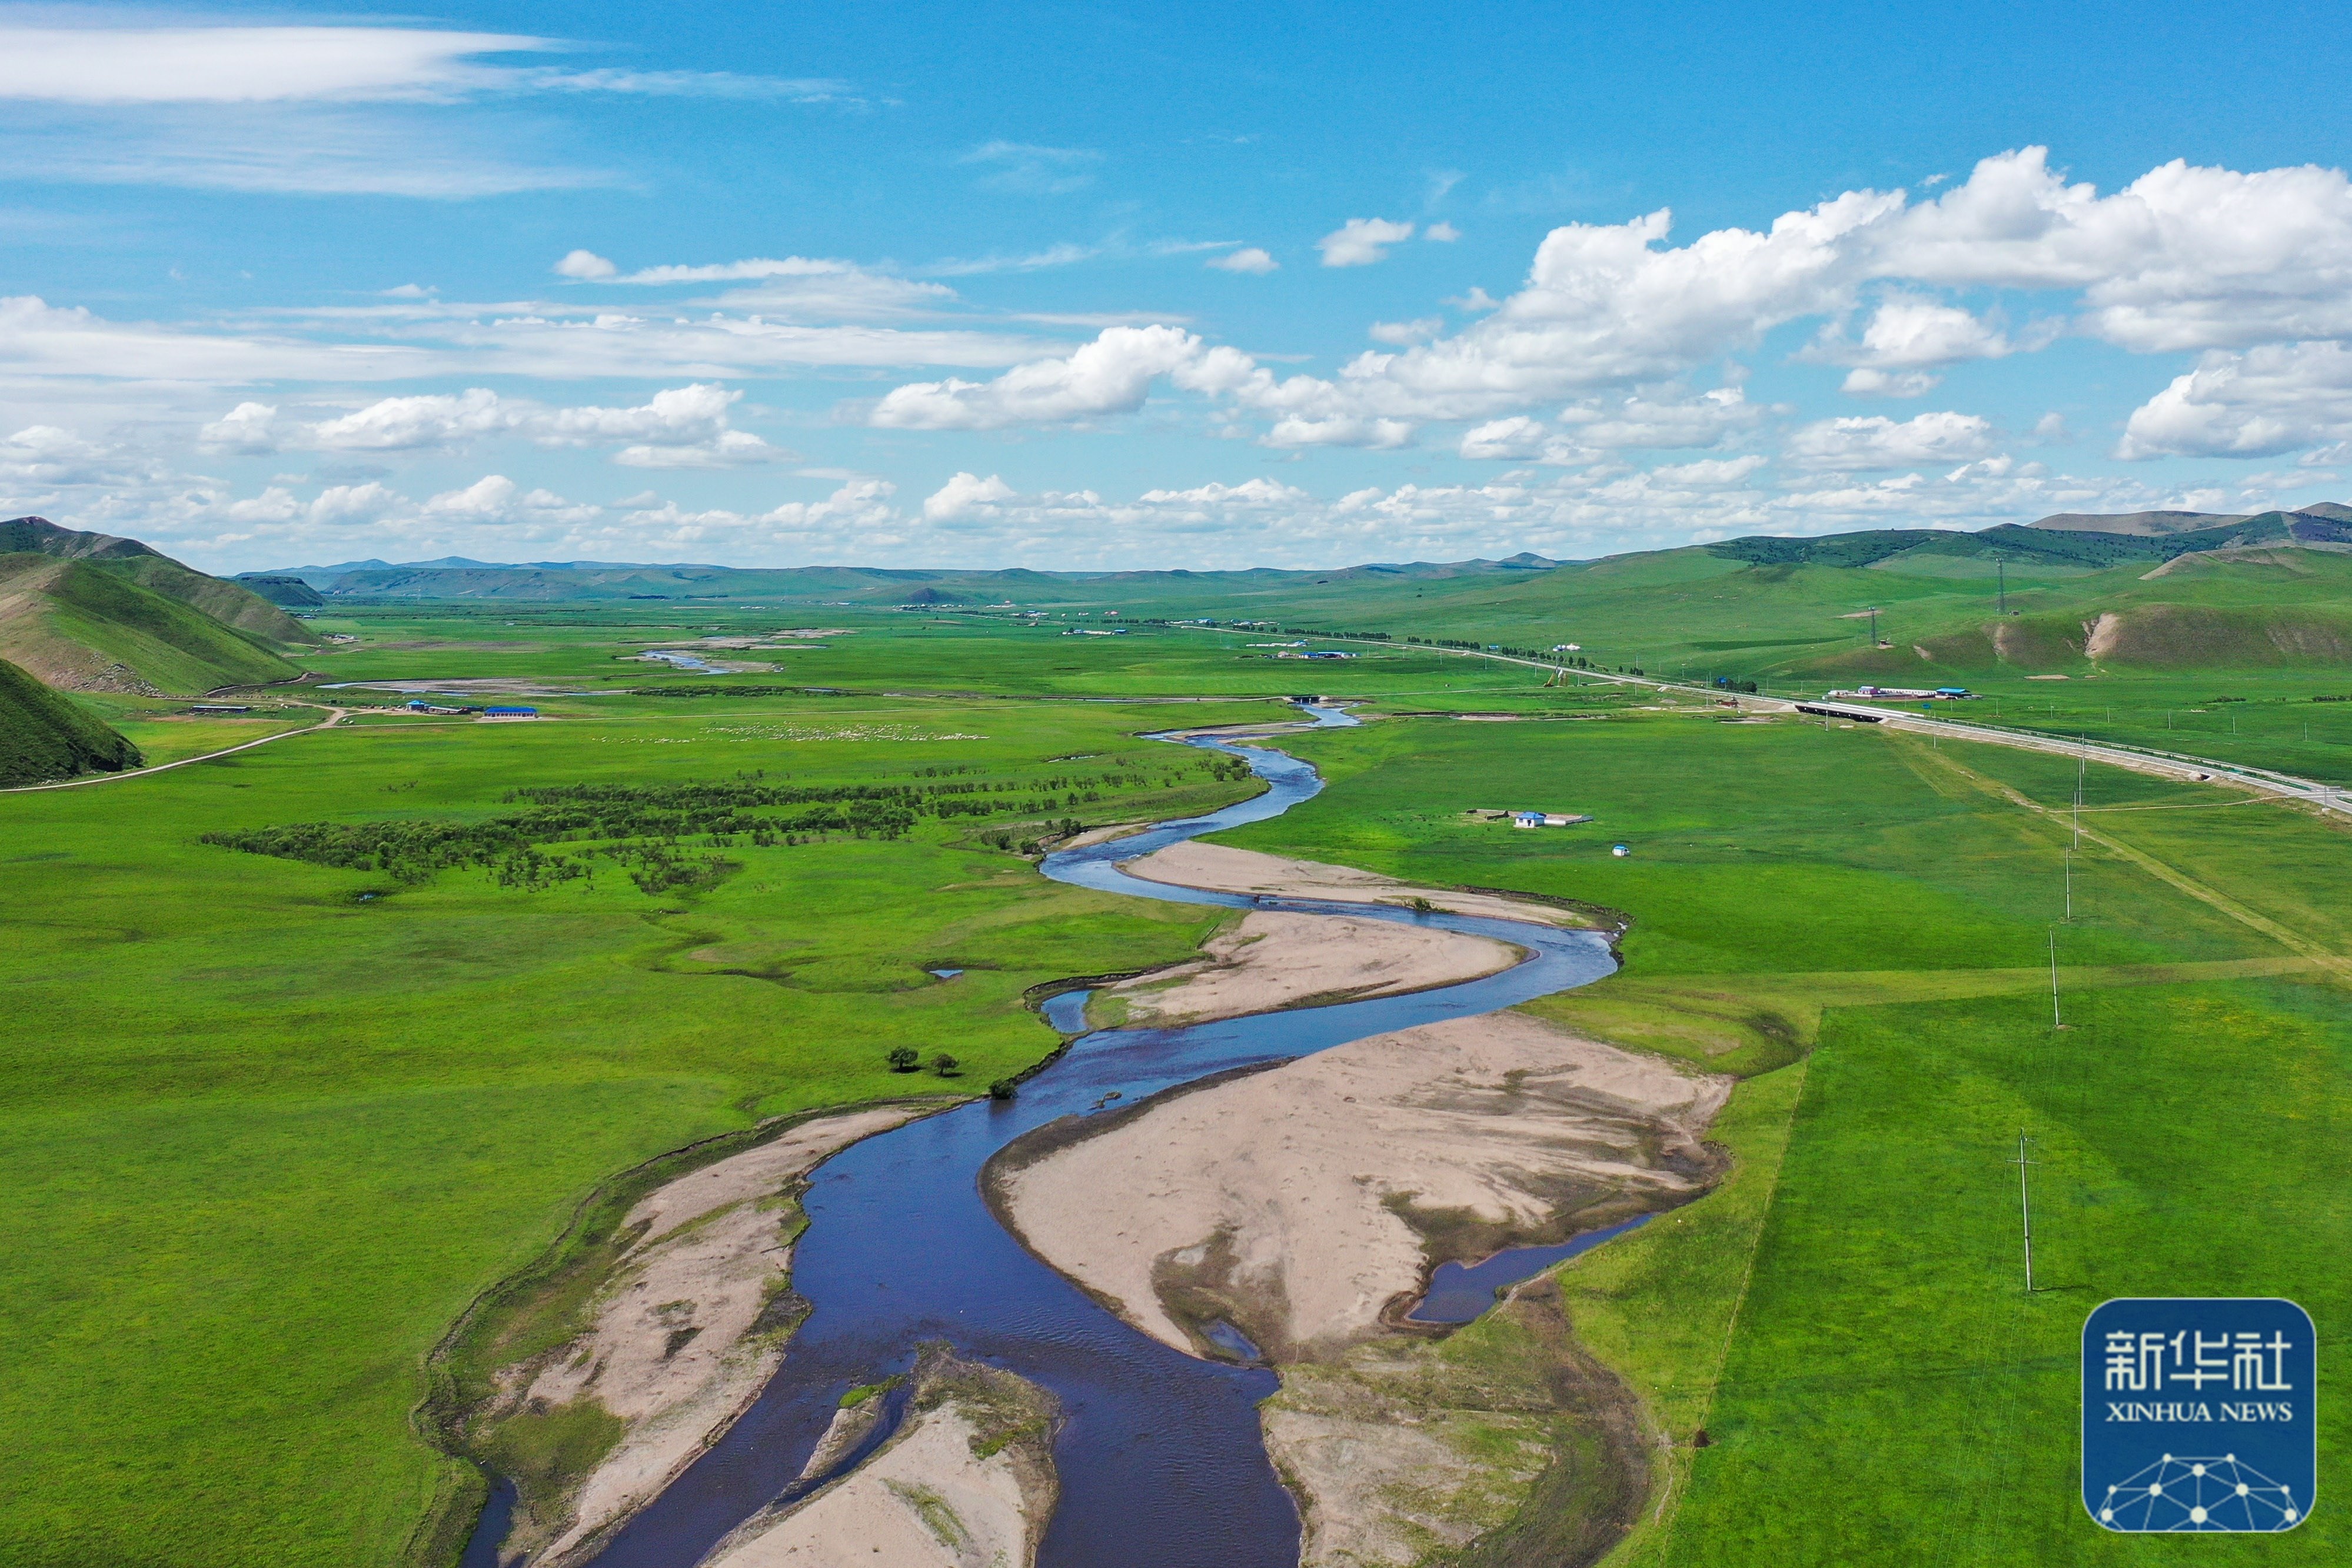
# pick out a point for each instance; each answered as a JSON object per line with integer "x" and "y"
{"x": 2197, "y": 1414}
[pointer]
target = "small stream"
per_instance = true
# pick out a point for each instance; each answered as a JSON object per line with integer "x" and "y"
{"x": 1161, "y": 1461}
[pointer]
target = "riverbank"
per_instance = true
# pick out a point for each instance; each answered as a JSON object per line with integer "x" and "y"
{"x": 629, "y": 1370}
{"x": 967, "y": 1481}
{"x": 1270, "y": 959}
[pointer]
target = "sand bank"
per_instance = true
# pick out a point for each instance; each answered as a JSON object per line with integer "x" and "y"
{"x": 1304, "y": 1205}
{"x": 1224, "y": 870}
{"x": 1269, "y": 959}
{"x": 686, "y": 1331}
{"x": 967, "y": 1481}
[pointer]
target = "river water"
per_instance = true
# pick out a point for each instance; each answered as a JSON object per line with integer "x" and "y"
{"x": 1161, "y": 1461}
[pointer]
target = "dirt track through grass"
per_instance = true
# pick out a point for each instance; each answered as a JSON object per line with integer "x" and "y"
{"x": 2337, "y": 964}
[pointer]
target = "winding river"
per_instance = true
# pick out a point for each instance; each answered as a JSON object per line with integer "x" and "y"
{"x": 1161, "y": 1461}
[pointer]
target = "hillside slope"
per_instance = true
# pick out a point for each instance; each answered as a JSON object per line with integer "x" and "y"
{"x": 93, "y": 613}
{"x": 76, "y": 625}
{"x": 230, "y": 603}
{"x": 44, "y": 736}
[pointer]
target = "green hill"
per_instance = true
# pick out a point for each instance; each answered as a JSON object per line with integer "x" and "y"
{"x": 92, "y": 612}
{"x": 286, "y": 593}
{"x": 80, "y": 627}
{"x": 2270, "y": 591}
{"x": 43, "y": 735}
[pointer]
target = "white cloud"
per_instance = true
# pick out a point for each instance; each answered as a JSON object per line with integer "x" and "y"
{"x": 245, "y": 64}
{"x": 1359, "y": 242}
{"x": 1339, "y": 430}
{"x": 1252, "y": 260}
{"x": 47, "y": 454}
{"x": 495, "y": 498}
{"x": 1877, "y": 442}
{"x": 2183, "y": 257}
{"x": 458, "y": 339}
{"x": 1907, "y": 339}
{"x": 1445, "y": 234}
{"x": 1518, "y": 439}
{"x": 585, "y": 265}
{"x": 105, "y": 65}
{"x": 679, "y": 427}
{"x": 1109, "y": 375}
{"x": 806, "y": 288}
{"x": 1664, "y": 417}
{"x": 2257, "y": 404}
{"x": 961, "y": 494}
{"x": 1403, "y": 333}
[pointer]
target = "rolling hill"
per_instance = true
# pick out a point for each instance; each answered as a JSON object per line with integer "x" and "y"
{"x": 43, "y": 735}
{"x": 92, "y": 612}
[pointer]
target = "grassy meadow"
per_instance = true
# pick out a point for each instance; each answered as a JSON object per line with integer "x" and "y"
{"x": 271, "y": 1125}
{"x": 1858, "y": 924}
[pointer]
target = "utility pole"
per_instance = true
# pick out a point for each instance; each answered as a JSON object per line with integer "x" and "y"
{"x": 2025, "y": 1205}
{"x": 2070, "y": 887}
{"x": 2055, "y": 1020}
{"x": 2081, "y": 767}
{"x": 1873, "y": 627}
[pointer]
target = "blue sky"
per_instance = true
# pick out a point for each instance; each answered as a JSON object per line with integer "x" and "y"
{"x": 1151, "y": 286}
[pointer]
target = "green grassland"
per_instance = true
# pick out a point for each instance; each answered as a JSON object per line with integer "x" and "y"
{"x": 1858, "y": 924}
{"x": 269, "y": 1124}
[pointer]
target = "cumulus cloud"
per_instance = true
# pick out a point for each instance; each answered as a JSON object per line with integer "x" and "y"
{"x": 585, "y": 265}
{"x": 1445, "y": 234}
{"x": 1359, "y": 242}
{"x": 1339, "y": 430}
{"x": 1403, "y": 333}
{"x": 495, "y": 498}
{"x": 1251, "y": 259}
{"x": 2182, "y": 257}
{"x": 961, "y": 494}
{"x": 2257, "y": 404}
{"x": 1877, "y": 442}
{"x": 1109, "y": 375}
{"x": 1906, "y": 340}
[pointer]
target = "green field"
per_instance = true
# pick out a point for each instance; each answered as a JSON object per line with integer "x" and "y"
{"x": 272, "y": 1124}
{"x": 1859, "y": 922}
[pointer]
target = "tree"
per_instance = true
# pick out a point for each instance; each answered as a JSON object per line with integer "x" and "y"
{"x": 1003, "y": 1089}
{"x": 946, "y": 1066}
{"x": 905, "y": 1059}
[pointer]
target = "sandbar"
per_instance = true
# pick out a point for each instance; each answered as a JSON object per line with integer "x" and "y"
{"x": 1304, "y": 1205}
{"x": 1270, "y": 959}
{"x": 1224, "y": 870}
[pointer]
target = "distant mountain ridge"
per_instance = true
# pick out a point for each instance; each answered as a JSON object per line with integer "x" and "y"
{"x": 547, "y": 581}
{"x": 2157, "y": 524}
